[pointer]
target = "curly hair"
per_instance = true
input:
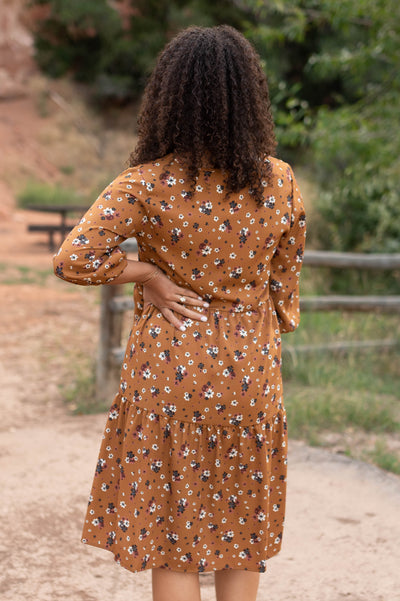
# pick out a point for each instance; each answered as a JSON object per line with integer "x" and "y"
{"x": 207, "y": 102}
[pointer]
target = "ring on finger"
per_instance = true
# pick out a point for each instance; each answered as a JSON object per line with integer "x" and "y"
{"x": 182, "y": 299}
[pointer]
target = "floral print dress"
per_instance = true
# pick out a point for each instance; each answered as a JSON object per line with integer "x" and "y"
{"x": 191, "y": 473}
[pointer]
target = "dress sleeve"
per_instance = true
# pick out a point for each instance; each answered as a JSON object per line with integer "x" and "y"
{"x": 287, "y": 262}
{"x": 90, "y": 255}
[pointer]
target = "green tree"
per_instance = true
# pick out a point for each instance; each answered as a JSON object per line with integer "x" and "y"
{"x": 92, "y": 42}
{"x": 355, "y": 146}
{"x": 74, "y": 35}
{"x": 333, "y": 70}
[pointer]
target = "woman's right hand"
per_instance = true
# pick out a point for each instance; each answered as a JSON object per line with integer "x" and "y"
{"x": 169, "y": 298}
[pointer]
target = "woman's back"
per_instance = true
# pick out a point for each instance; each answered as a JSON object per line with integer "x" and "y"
{"x": 240, "y": 257}
{"x": 221, "y": 247}
{"x": 228, "y": 249}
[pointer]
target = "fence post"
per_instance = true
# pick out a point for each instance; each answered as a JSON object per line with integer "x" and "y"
{"x": 107, "y": 373}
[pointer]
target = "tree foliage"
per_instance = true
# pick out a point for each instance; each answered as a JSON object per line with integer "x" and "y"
{"x": 355, "y": 146}
{"x": 336, "y": 85}
{"x": 113, "y": 46}
{"x": 333, "y": 70}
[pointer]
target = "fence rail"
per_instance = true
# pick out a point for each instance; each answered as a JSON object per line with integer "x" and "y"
{"x": 383, "y": 304}
{"x": 328, "y": 258}
{"x": 114, "y": 305}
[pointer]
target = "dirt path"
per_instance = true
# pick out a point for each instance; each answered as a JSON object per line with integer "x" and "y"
{"x": 342, "y": 527}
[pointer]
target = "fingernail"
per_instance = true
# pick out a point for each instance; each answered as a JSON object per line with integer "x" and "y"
{"x": 182, "y": 328}
{"x": 206, "y": 304}
{"x": 203, "y": 318}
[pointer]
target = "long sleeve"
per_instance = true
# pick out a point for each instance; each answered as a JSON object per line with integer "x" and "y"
{"x": 287, "y": 262}
{"x": 90, "y": 255}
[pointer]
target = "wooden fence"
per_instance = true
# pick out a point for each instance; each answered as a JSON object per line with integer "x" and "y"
{"x": 114, "y": 304}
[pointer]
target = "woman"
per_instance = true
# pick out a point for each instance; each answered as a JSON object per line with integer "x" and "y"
{"x": 191, "y": 475}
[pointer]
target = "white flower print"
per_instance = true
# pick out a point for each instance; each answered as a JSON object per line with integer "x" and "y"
{"x": 109, "y": 211}
{"x": 192, "y": 470}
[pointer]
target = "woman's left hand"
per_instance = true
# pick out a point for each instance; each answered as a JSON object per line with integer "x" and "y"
{"x": 168, "y": 297}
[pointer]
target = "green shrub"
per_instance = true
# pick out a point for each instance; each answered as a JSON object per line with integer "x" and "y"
{"x": 38, "y": 193}
{"x": 91, "y": 41}
{"x": 355, "y": 147}
{"x": 355, "y": 153}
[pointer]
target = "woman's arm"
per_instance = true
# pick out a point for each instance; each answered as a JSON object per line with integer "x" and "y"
{"x": 91, "y": 255}
{"x": 161, "y": 292}
{"x": 139, "y": 272}
{"x": 286, "y": 265}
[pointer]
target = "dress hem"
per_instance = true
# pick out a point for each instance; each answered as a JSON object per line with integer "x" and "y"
{"x": 206, "y": 569}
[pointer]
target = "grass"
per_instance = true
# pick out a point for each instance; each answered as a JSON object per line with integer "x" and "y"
{"x": 355, "y": 394}
{"x": 326, "y": 280}
{"x": 67, "y": 169}
{"x": 37, "y": 193}
{"x": 313, "y": 409}
{"x": 384, "y": 458}
{"x": 14, "y": 275}
{"x": 80, "y": 394}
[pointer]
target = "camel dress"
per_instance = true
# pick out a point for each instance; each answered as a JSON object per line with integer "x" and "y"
{"x": 191, "y": 473}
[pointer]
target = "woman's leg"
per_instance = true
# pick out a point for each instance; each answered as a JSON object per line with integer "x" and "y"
{"x": 175, "y": 586}
{"x": 236, "y": 585}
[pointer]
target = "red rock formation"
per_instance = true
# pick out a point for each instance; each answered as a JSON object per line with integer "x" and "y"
{"x": 16, "y": 48}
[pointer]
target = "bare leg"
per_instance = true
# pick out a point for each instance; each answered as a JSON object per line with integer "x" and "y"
{"x": 175, "y": 586}
{"x": 236, "y": 585}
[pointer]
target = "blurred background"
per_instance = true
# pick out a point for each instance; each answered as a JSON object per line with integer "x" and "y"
{"x": 71, "y": 77}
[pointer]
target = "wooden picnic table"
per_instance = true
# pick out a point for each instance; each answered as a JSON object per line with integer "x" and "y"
{"x": 63, "y": 227}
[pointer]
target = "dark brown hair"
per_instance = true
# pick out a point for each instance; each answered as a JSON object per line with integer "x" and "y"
{"x": 207, "y": 100}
